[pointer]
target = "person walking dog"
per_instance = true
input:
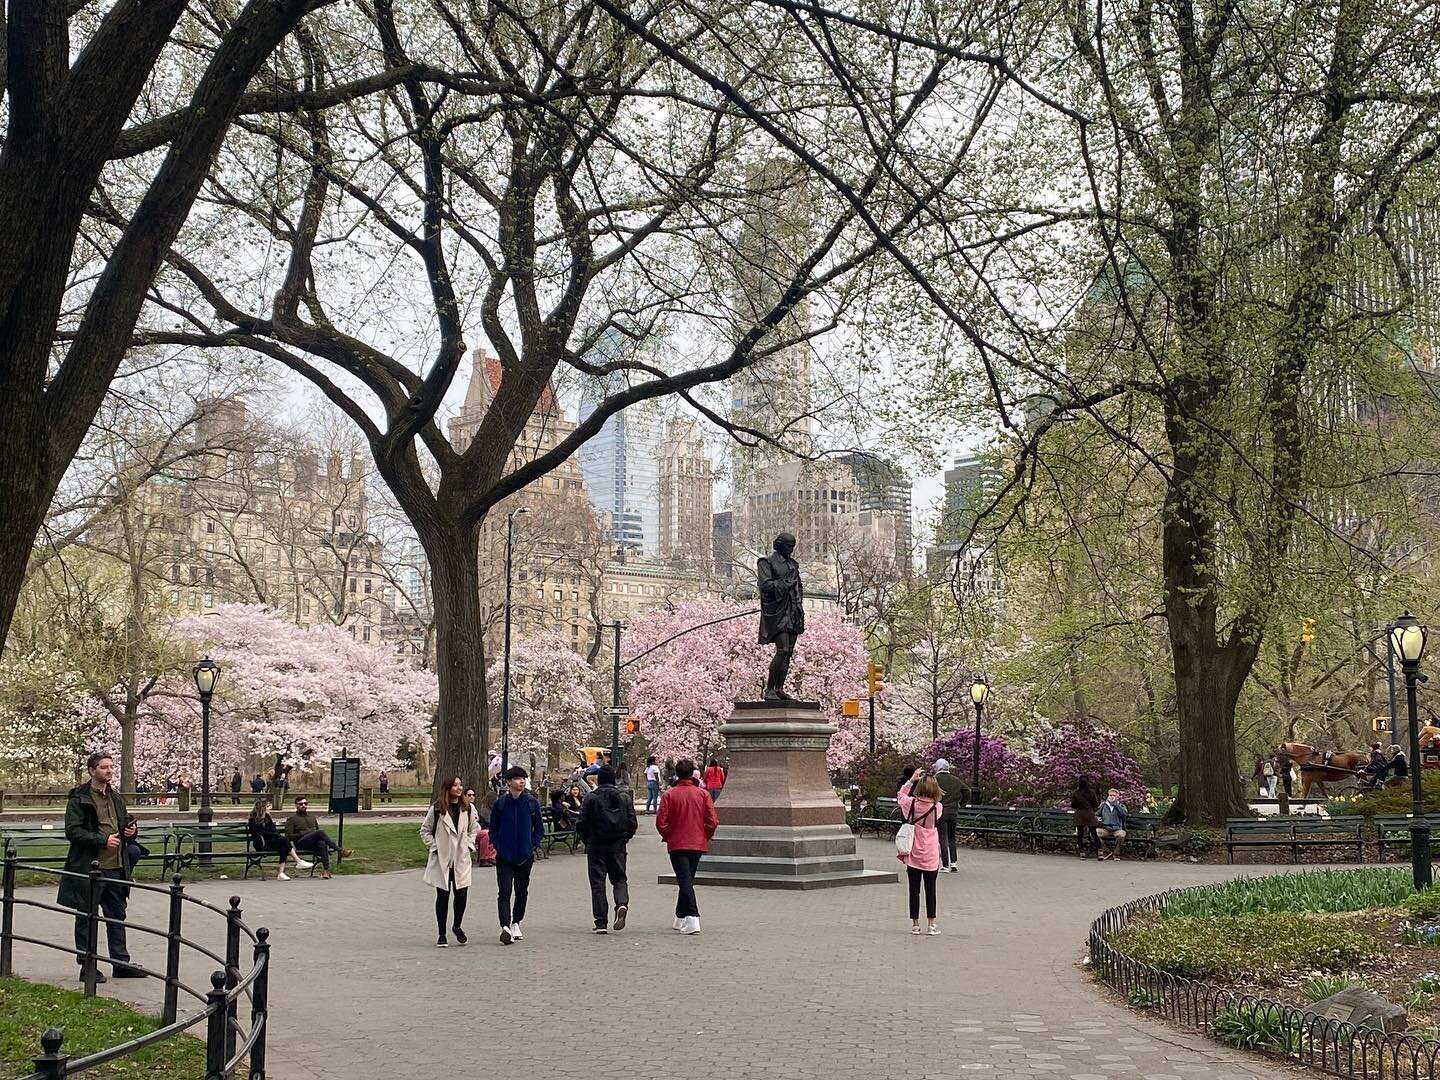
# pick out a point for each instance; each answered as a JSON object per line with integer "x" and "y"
{"x": 607, "y": 822}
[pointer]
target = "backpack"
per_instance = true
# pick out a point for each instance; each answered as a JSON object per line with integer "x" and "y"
{"x": 608, "y": 823}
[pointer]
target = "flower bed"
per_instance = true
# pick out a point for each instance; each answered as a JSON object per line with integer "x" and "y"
{"x": 1242, "y": 960}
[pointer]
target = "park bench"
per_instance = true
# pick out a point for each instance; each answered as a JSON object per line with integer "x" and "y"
{"x": 985, "y": 821}
{"x": 883, "y": 818}
{"x": 1393, "y": 830}
{"x": 1055, "y": 827}
{"x": 1293, "y": 833}
{"x": 229, "y": 842}
{"x": 555, "y": 835}
{"x": 44, "y": 846}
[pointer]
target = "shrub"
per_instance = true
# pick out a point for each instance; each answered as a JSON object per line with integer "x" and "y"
{"x": 1257, "y": 1029}
{"x": 1143, "y": 998}
{"x": 1323, "y": 986}
{"x": 1197, "y": 840}
{"x": 1261, "y": 945}
{"x": 1078, "y": 748}
{"x": 1320, "y": 890}
{"x": 1393, "y": 800}
{"x": 1001, "y": 770}
{"x": 1424, "y": 904}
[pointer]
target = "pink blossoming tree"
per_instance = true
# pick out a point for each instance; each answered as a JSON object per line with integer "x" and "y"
{"x": 552, "y": 695}
{"x": 683, "y": 691}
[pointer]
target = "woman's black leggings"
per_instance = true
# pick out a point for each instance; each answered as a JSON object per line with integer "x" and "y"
{"x": 1086, "y": 838}
{"x": 442, "y": 905}
{"x": 916, "y": 876}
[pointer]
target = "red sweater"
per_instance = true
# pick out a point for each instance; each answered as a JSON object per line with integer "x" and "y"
{"x": 714, "y": 777}
{"x": 686, "y": 819}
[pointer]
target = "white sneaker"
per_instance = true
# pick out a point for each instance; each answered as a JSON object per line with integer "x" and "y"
{"x": 515, "y": 932}
{"x": 691, "y": 925}
{"x": 303, "y": 865}
{"x": 678, "y": 924}
{"x": 282, "y": 876}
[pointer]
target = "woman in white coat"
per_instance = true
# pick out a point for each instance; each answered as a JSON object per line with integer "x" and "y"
{"x": 449, "y": 833}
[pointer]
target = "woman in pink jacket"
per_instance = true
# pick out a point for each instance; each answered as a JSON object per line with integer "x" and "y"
{"x": 920, "y": 805}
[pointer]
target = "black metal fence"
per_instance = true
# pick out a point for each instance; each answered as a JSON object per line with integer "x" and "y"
{"x": 1332, "y": 1046}
{"x": 229, "y": 1043}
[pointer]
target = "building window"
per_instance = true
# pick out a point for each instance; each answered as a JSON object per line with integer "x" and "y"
{"x": 352, "y": 586}
{"x": 367, "y": 586}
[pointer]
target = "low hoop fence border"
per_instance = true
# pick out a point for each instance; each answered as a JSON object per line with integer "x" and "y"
{"x": 228, "y": 1042}
{"x": 1332, "y": 1046}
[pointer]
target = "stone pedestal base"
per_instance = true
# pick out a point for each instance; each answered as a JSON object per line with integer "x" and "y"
{"x": 781, "y": 824}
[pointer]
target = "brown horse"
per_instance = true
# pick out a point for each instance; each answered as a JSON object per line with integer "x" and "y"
{"x": 1428, "y": 734}
{"x": 1315, "y": 770}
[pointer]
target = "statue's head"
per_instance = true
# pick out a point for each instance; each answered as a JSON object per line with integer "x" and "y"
{"x": 785, "y": 544}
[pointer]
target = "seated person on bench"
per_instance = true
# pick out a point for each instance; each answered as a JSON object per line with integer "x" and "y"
{"x": 303, "y": 830}
{"x": 1112, "y": 824}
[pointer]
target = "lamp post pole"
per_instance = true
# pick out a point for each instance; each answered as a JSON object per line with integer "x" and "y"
{"x": 1407, "y": 638}
{"x": 979, "y": 691}
{"x": 505, "y": 677}
{"x": 205, "y": 673}
{"x": 615, "y": 701}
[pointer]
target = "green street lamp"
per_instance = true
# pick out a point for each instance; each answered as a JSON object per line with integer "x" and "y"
{"x": 206, "y": 674}
{"x": 979, "y": 691}
{"x": 1407, "y": 639}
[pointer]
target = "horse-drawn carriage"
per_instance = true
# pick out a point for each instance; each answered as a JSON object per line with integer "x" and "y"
{"x": 1349, "y": 769}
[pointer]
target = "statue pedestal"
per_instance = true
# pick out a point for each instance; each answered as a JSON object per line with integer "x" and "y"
{"x": 781, "y": 824}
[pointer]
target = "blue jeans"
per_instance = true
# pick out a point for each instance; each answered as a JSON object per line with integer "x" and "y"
{"x": 652, "y": 796}
{"x": 714, "y": 794}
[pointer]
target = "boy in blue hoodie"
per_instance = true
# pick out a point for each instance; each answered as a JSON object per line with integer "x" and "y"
{"x": 516, "y": 829}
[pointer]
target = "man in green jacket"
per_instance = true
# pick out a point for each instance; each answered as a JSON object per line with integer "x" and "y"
{"x": 98, "y": 826}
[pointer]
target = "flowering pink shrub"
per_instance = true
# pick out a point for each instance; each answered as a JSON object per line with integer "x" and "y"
{"x": 1078, "y": 748}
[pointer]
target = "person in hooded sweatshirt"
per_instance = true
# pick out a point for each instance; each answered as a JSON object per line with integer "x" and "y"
{"x": 920, "y": 805}
{"x": 516, "y": 829}
{"x": 607, "y": 822}
{"x": 686, "y": 821}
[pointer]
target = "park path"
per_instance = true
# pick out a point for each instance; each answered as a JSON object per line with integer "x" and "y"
{"x": 779, "y": 985}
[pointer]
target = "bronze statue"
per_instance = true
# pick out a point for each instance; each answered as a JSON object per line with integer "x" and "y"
{"x": 782, "y": 611}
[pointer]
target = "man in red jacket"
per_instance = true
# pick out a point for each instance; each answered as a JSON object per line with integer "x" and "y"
{"x": 686, "y": 821}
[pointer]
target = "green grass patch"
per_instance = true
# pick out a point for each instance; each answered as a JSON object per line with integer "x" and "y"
{"x": 1319, "y": 891}
{"x": 379, "y": 848}
{"x": 90, "y": 1025}
{"x": 1261, "y": 945}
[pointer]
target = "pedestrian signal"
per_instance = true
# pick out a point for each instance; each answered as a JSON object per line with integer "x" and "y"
{"x": 850, "y": 707}
{"x": 630, "y": 726}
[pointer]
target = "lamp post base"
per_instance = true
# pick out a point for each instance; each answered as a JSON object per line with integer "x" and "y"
{"x": 1420, "y": 853}
{"x": 204, "y": 817}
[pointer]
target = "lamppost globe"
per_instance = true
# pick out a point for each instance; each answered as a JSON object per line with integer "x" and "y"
{"x": 206, "y": 674}
{"x": 979, "y": 691}
{"x": 1408, "y": 637}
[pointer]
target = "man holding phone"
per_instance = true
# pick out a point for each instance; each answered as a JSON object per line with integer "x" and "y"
{"x": 99, "y": 828}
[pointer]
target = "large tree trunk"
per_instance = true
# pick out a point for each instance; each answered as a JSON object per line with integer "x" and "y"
{"x": 462, "y": 737}
{"x": 1208, "y": 677}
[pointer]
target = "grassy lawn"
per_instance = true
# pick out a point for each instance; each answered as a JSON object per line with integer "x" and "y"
{"x": 27, "y": 1009}
{"x": 378, "y": 848}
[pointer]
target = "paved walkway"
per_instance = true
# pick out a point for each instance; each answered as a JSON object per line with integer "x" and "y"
{"x": 826, "y": 984}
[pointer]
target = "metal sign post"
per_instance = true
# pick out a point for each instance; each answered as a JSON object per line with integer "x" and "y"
{"x": 344, "y": 791}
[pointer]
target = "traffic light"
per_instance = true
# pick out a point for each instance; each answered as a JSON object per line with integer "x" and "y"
{"x": 630, "y": 726}
{"x": 1307, "y": 631}
{"x": 875, "y": 677}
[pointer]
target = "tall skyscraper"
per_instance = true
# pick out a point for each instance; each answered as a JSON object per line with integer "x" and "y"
{"x": 773, "y": 394}
{"x": 621, "y": 466}
{"x": 968, "y": 487}
{"x": 883, "y": 486}
{"x": 686, "y": 484}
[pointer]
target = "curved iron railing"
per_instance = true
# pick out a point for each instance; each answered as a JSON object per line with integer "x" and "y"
{"x": 1333, "y": 1046}
{"x": 229, "y": 1044}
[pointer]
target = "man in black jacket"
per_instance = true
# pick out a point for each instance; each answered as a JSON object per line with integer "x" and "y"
{"x": 98, "y": 827}
{"x": 607, "y": 822}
